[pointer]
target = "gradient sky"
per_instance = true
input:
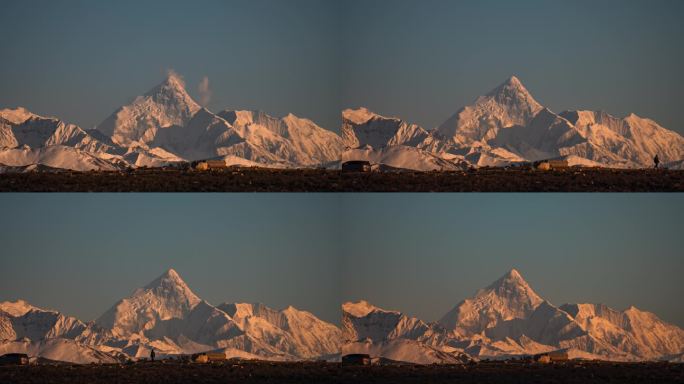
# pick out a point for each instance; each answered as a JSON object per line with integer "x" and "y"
{"x": 417, "y": 59}
{"x": 421, "y": 254}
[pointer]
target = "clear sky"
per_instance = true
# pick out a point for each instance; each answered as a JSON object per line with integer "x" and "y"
{"x": 417, "y": 59}
{"x": 421, "y": 254}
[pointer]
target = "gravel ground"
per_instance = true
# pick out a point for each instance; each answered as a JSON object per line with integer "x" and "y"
{"x": 301, "y": 180}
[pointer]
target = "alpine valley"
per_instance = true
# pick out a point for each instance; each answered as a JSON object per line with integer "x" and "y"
{"x": 507, "y": 319}
{"x": 165, "y": 126}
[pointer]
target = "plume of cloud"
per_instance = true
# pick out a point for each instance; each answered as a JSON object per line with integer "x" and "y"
{"x": 171, "y": 73}
{"x": 204, "y": 91}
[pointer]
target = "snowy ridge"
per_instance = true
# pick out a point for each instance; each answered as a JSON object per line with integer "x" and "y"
{"x": 505, "y": 319}
{"x": 165, "y": 315}
{"x": 166, "y": 126}
{"x": 508, "y": 318}
{"x": 507, "y": 105}
{"x": 508, "y": 126}
{"x": 166, "y": 105}
{"x": 508, "y": 298}
{"x": 395, "y": 336}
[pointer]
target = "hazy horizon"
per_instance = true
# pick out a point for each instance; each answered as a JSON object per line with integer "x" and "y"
{"x": 421, "y": 254}
{"x": 418, "y": 60}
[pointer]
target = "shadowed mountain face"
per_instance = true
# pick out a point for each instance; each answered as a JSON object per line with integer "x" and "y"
{"x": 505, "y": 126}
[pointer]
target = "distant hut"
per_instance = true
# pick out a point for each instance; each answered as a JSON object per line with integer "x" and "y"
{"x": 14, "y": 359}
{"x": 356, "y": 359}
{"x": 356, "y": 166}
{"x": 547, "y": 165}
{"x": 210, "y": 164}
{"x": 552, "y": 357}
{"x": 559, "y": 356}
{"x": 543, "y": 358}
{"x": 208, "y": 357}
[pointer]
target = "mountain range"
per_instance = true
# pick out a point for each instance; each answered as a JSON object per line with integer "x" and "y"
{"x": 506, "y": 319}
{"x": 165, "y": 126}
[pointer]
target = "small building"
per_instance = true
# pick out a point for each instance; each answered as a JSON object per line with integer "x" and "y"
{"x": 559, "y": 356}
{"x": 208, "y": 357}
{"x": 546, "y": 165}
{"x": 356, "y": 166}
{"x": 544, "y": 358}
{"x": 552, "y": 357}
{"x": 14, "y": 359}
{"x": 356, "y": 359}
{"x": 211, "y": 164}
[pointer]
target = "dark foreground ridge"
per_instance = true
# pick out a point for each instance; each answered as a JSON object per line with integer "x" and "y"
{"x": 267, "y": 372}
{"x": 313, "y": 180}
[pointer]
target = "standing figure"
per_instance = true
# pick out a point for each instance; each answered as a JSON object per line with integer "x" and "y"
{"x": 656, "y": 160}
{"x": 152, "y": 354}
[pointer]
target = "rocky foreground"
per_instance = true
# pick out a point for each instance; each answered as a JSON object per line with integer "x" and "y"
{"x": 310, "y": 180}
{"x": 320, "y": 372}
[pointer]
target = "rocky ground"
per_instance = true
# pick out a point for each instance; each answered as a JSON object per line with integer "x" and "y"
{"x": 309, "y": 180}
{"x": 266, "y": 372}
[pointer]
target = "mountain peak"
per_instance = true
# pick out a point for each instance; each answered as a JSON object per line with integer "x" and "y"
{"x": 168, "y": 279}
{"x": 507, "y": 298}
{"x": 357, "y": 116}
{"x": 16, "y": 308}
{"x": 514, "y": 81}
{"x": 173, "y": 86}
{"x": 360, "y": 308}
{"x": 513, "y": 87}
{"x": 166, "y": 297}
{"x": 507, "y": 105}
{"x": 514, "y": 274}
{"x": 511, "y": 278}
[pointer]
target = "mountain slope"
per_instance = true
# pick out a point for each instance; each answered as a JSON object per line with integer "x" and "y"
{"x": 507, "y": 105}
{"x": 57, "y": 156}
{"x": 395, "y": 336}
{"x": 633, "y": 140}
{"x": 297, "y": 333}
{"x": 290, "y": 139}
{"x": 165, "y": 298}
{"x": 361, "y": 127}
{"x": 164, "y": 106}
{"x": 510, "y": 297}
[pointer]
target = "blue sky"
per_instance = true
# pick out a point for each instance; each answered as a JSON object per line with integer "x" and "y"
{"x": 421, "y": 60}
{"x": 419, "y": 253}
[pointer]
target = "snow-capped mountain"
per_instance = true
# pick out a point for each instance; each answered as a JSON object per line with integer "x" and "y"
{"x": 297, "y": 332}
{"x": 167, "y": 316}
{"x": 361, "y": 127}
{"x": 510, "y": 104}
{"x": 166, "y": 105}
{"x": 508, "y": 318}
{"x": 24, "y": 321}
{"x": 393, "y": 335}
{"x": 391, "y": 142}
{"x": 165, "y": 298}
{"x": 166, "y": 126}
{"x": 49, "y": 334}
{"x": 510, "y": 297}
{"x": 508, "y": 126}
{"x": 167, "y": 117}
{"x": 505, "y": 319}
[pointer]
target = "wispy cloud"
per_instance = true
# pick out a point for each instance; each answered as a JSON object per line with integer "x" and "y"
{"x": 171, "y": 73}
{"x": 204, "y": 91}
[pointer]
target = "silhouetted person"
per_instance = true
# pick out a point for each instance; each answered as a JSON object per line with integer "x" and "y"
{"x": 152, "y": 354}
{"x": 656, "y": 161}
